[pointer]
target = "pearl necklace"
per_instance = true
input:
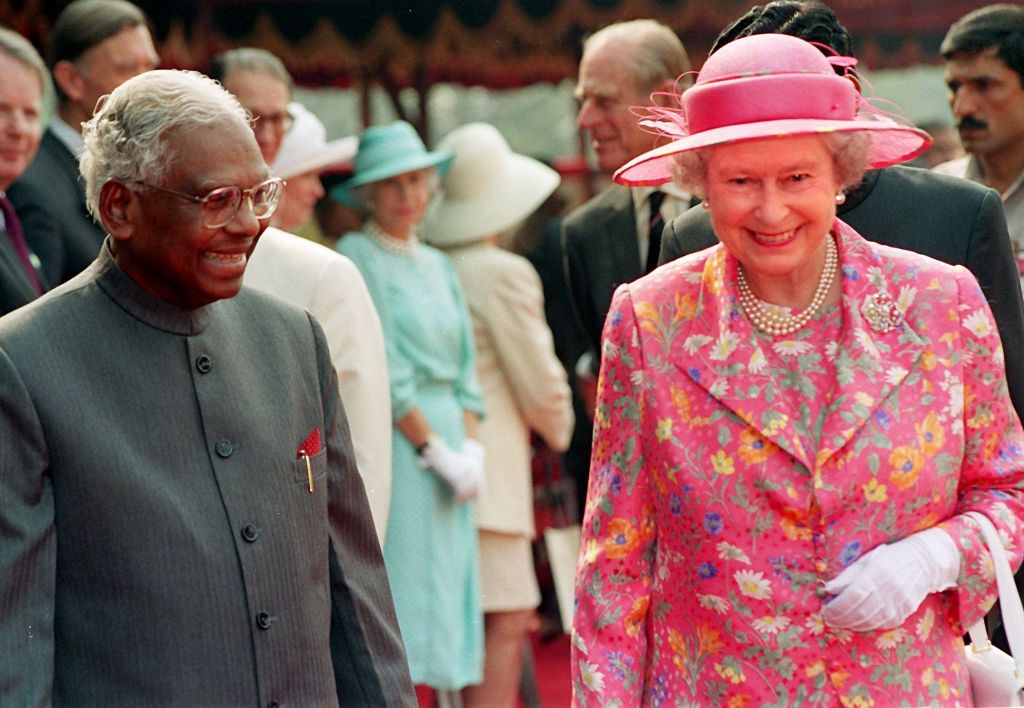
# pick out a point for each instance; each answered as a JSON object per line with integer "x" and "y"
{"x": 398, "y": 246}
{"x": 775, "y": 322}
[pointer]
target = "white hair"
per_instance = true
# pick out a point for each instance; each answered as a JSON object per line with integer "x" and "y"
{"x": 125, "y": 139}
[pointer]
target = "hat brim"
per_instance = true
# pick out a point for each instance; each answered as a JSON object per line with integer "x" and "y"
{"x": 522, "y": 186}
{"x": 892, "y": 143}
{"x": 334, "y": 153}
{"x": 441, "y": 160}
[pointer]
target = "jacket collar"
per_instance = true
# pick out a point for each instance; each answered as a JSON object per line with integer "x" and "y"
{"x": 719, "y": 349}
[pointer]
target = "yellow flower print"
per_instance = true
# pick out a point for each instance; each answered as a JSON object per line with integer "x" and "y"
{"x": 722, "y": 463}
{"x": 874, "y": 492}
{"x": 682, "y": 652}
{"x": 754, "y": 448}
{"x": 664, "y": 431}
{"x": 839, "y": 677}
{"x": 592, "y": 552}
{"x": 864, "y": 398}
{"x": 592, "y": 679}
{"x": 982, "y": 418}
{"x": 793, "y": 525}
{"x": 925, "y": 624}
{"x": 681, "y": 402}
{"x": 930, "y": 435}
{"x": 685, "y": 306}
{"x": 622, "y": 538}
{"x": 906, "y": 463}
{"x": 928, "y": 360}
{"x": 891, "y": 639}
{"x": 818, "y": 667}
{"x": 733, "y": 674}
{"x": 856, "y": 701}
{"x": 636, "y": 615}
{"x": 708, "y": 640}
{"x": 773, "y": 422}
{"x": 753, "y": 584}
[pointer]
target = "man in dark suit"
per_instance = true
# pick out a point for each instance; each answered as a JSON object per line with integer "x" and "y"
{"x": 183, "y": 523}
{"x": 94, "y": 46}
{"x": 944, "y": 217}
{"x": 22, "y": 81}
{"x": 607, "y": 241}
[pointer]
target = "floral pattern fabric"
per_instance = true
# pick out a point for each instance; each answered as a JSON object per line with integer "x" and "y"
{"x": 727, "y": 487}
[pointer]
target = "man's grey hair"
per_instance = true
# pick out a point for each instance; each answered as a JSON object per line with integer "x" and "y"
{"x": 653, "y": 51}
{"x": 258, "y": 61}
{"x": 126, "y": 140}
{"x": 19, "y": 49}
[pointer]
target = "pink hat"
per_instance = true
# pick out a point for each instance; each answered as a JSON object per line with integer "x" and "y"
{"x": 768, "y": 86}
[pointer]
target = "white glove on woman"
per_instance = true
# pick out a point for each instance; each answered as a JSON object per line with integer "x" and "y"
{"x": 888, "y": 583}
{"x": 453, "y": 467}
{"x": 475, "y": 455}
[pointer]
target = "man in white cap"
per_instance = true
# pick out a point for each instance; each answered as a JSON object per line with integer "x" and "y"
{"x": 315, "y": 278}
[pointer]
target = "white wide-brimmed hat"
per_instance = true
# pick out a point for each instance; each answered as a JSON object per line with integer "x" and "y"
{"x": 488, "y": 188}
{"x": 305, "y": 147}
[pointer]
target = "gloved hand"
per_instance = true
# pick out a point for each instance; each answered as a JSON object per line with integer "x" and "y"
{"x": 888, "y": 583}
{"x": 453, "y": 467}
{"x": 475, "y": 455}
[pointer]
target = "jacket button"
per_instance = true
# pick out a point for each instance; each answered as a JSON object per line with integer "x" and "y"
{"x": 203, "y": 364}
{"x": 224, "y": 448}
{"x": 264, "y": 620}
{"x": 250, "y": 533}
{"x": 820, "y": 591}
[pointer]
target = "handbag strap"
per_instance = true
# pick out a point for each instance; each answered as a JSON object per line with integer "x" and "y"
{"x": 1009, "y": 599}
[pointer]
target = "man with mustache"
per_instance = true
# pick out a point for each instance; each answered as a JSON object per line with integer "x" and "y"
{"x": 984, "y": 53}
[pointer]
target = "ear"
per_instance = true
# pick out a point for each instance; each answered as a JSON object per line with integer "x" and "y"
{"x": 69, "y": 78}
{"x": 116, "y": 201}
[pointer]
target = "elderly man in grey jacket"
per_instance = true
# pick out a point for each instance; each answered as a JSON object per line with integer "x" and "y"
{"x": 182, "y": 520}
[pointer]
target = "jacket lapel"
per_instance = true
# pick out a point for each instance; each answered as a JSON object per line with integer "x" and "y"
{"x": 720, "y": 351}
{"x": 877, "y": 350}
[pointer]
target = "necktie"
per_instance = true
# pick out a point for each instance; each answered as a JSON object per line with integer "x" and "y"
{"x": 17, "y": 237}
{"x": 656, "y": 224}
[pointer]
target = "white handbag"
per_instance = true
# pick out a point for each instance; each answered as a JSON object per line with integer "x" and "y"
{"x": 997, "y": 678}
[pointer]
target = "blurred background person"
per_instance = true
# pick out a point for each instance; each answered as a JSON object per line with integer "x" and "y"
{"x": 438, "y": 461}
{"x": 94, "y": 47}
{"x": 315, "y": 278}
{"x": 305, "y": 153}
{"x": 22, "y": 82}
{"x": 488, "y": 190}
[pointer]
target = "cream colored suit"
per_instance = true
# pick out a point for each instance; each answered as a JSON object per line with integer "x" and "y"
{"x": 330, "y": 287}
{"x": 523, "y": 385}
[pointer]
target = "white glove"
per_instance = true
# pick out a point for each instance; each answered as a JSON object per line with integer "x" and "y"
{"x": 453, "y": 467}
{"x": 888, "y": 583}
{"x": 475, "y": 455}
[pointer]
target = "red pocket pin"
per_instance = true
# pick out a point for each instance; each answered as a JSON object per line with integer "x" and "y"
{"x": 309, "y": 447}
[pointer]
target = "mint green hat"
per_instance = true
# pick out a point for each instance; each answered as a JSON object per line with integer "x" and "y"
{"x": 386, "y": 151}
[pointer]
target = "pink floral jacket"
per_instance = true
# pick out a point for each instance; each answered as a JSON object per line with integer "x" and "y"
{"x": 711, "y": 527}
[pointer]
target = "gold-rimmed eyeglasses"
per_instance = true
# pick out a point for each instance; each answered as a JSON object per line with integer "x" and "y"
{"x": 221, "y": 204}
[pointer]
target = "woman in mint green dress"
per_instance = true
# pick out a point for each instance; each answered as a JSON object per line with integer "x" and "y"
{"x": 430, "y": 548}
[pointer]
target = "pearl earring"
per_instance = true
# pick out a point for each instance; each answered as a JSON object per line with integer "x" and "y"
{"x": 706, "y": 204}
{"x": 841, "y": 198}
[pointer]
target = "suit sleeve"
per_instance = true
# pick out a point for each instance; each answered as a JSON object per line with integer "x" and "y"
{"x": 349, "y": 319}
{"x": 619, "y": 542}
{"x": 688, "y": 233}
{"x": 526, "y": 353}
{"x": 27, "y": 549}
{"x": 990, "y": 258}
{"x": 992, "y": 473}
{"x": 578, "y": 282}
{"x": 370, "y": 666}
